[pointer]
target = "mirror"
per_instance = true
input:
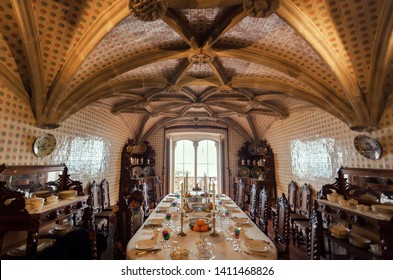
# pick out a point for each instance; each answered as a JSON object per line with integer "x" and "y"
{"x": 39, "y": 180}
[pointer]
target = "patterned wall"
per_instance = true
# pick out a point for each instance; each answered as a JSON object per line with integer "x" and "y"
{"x": 89, "y": 143}
{"x": 309, "y": 148}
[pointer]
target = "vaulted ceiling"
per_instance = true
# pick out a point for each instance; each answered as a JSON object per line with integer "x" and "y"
{"x": 241, "y": 63}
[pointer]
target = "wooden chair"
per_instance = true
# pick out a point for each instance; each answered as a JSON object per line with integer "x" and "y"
{"x": 124, "y": 228}
{"x": 281, "y": 227}
{"x": 299, "y": 220}
{"x": 240, "y": 193}
{"x": 157, "y": 191}
{"x": 106, "y": 208}
{"x": 105, "y": 200}
{"x": 253, "y": 203}
{"x": 263, "y": 208}
{"x": 315, "y": 246}
{"x": 95, "y": 200}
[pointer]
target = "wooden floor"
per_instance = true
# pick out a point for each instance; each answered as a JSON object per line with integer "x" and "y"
{"x": 295, "y": 253}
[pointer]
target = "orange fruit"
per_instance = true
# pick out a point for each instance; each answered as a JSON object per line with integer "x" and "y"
{"x": 196, "y": 228}
{"x": 200, "y": 222}
{"x": 205, "y": 228}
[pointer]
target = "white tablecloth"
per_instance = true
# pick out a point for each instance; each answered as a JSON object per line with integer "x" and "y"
{"x": 224, "y": 249}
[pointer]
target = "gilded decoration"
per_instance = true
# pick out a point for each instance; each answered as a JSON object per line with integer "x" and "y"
{"x": 260, "y": 8}
{"x": 147, "y": 10}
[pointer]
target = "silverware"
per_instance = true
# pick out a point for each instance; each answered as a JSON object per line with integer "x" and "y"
{"x": 153, "y": 251}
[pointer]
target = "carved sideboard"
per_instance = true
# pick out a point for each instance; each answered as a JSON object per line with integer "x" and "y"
{"x": 16, "y": 182}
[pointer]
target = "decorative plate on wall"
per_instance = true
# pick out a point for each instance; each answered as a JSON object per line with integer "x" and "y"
{"x": 244, "y": 171}
{"x": 137, "y": 171}
{"x": 367, "y": 146}
{"x": 44, "y": 145}
{"x": 256, "y": 172}
{"x": 147, "y": 171}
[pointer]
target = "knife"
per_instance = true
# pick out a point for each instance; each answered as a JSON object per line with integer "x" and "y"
{"x": 148, "y": 251}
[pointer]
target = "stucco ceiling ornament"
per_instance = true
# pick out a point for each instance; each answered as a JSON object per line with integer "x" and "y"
{"x": 260, "y": 8}
{"x": 148, "y": 10}
{"x": 173, "y": 89}
{"x": 201, "y": 56}
{"x": 225, "y": 89}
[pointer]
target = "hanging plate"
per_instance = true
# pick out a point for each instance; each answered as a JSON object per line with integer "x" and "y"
{"x": 147, "y": 171}
{"x": 256, "y": 172}
{"x": 367, "y": 147}
{"x": 244, "y": 171}
{"x": 44, "y": 145}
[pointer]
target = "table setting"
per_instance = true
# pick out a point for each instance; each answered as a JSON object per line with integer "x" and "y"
{"x": 218, "y": 234}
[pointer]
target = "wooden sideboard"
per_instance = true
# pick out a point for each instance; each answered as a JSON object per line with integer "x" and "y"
{"x": 37, "y": 223}
{"x": 367, "y": 186}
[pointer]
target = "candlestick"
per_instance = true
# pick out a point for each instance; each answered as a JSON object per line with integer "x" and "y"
{"x": 182, "y": 233}
{"x": 214, "y": 198}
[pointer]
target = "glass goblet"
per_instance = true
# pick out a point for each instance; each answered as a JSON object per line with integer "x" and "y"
{"x": 236, "y": 242}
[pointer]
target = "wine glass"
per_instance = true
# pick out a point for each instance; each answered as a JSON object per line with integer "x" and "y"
{"x": 168, "y": 217}
{"x": 166, "y": 235}
{"x": 236, "y": 242}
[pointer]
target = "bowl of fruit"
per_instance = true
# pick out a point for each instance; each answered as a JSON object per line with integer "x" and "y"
{"x": 199, "y": 224}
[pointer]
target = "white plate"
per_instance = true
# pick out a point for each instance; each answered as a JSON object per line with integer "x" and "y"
{"x": 41, "y": 245}
{"x": 258, "y": 245}
{"x": 155, "y": 222}
{"x": 162, "y": 209}
{"x": 241, "y": 221}
{"x": 144, "y": 244}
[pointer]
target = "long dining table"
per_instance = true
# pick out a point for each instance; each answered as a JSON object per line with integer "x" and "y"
{"x": 148, "y": 242}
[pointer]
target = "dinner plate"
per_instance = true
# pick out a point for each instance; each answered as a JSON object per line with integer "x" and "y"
{"x": 257, "y": 245}
{"x": 41, "y": 245}
{"x": 338, "y": 236}
{"x": 137, "y": 171}
{"x": 155, "y": 222}
{"x": 144, "y": 244}
{"x": 241, "y": 221}
{"x": 61, "y": 230}
{"x": 162, "y": 209}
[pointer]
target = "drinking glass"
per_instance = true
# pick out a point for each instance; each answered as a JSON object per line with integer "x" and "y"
{"x": 236, "y": 241}
{"x": 166, "y": 235}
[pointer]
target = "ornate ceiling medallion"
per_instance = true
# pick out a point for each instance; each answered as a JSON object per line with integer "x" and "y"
{"x": 148, "y": 10}
{"x": 201, "y": 56}
{"x": 260, "y": 8}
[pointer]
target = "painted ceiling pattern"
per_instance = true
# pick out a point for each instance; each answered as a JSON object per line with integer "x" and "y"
{"x": 241, "y": 63}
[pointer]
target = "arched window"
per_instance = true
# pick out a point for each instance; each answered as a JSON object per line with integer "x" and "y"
{"x": 195, "y": 158}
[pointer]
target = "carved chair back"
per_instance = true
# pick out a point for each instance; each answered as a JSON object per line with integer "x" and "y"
{"x": 281, "y": 224}
{"x": 263, "y": 209}
{"x": 105, "y": 196}
{"x": 239, "y": 195}
{"x": 124, "y": 226}
{"x": 157, "y": 191}
{"x": 148, "y": 198}
{"x": 292, "y": 196}
{"x": 315, "y": 244}
{"x": 253, "y": 202}
{"x": 95, "y": 196}
{"x": 305, "y": 200}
